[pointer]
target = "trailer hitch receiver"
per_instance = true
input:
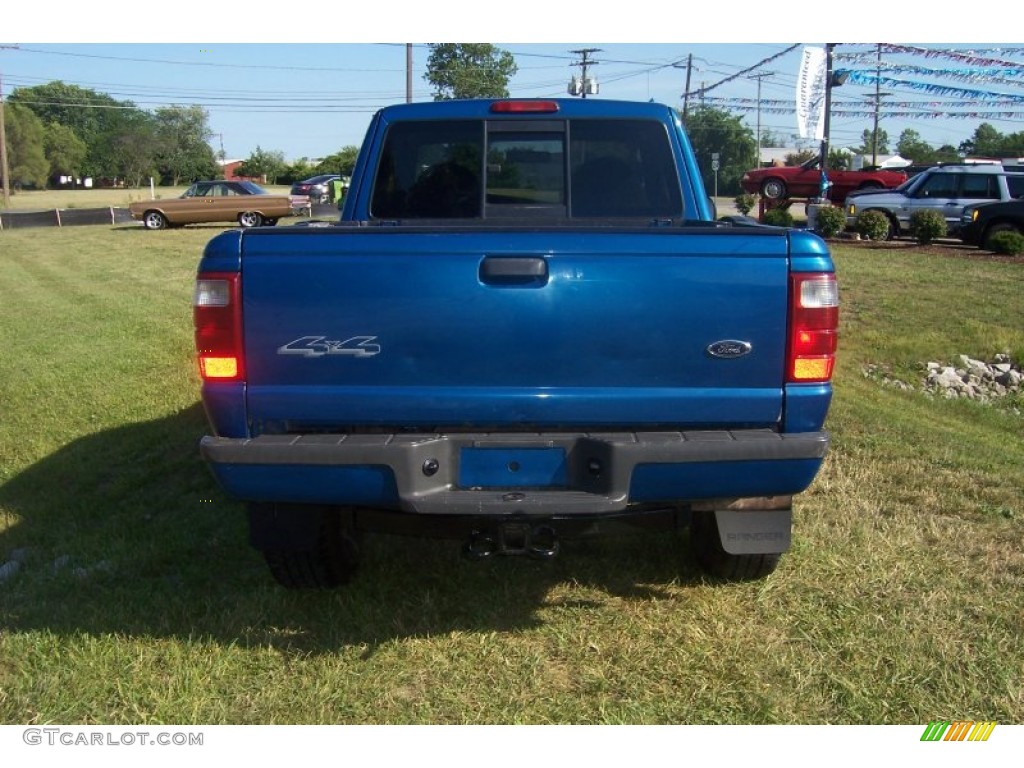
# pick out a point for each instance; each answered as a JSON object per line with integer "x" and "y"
{"x": 514, "y": 539}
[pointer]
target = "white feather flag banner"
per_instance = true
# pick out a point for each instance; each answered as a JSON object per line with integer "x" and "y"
{"x": 810, "y": 94}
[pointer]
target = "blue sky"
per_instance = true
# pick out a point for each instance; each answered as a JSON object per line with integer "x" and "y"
{"x": 309, "y": 86}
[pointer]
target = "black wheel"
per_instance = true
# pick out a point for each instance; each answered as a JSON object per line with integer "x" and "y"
{"x": 270, "y": 222}
{"x": 715, "y": 561}
{"x": 249, "y": 219}
{"x": 330, "y": 560}
{"x": 994, "y": 230}
{"x": 870, "y": 185}
{"x": 773, "y": 189}
{"x": 154, "y": 220}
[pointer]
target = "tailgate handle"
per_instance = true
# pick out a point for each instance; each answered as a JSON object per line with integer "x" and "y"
{"x": 516, "y": 270}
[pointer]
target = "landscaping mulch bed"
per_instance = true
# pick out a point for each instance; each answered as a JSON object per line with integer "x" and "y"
{"x": 951, "y": 248}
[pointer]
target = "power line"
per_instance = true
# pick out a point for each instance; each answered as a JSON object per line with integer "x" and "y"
{"x": 288, "y": 108}
{"x": 184, "y": 63}
{"x": 704, "y": 89}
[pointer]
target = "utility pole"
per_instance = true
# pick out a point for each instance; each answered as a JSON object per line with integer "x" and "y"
{"x": 759, "y": 76}
{"x": 581, "y": 87}
{"x": 5, "y": 171}
{"x": 874, "y": 136}
{"x": 878, "y": 103}
{"x": 408, "y": 73}
{"x": 686, "y": 93}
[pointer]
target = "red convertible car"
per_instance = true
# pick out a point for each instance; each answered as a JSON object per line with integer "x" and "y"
{"x": 805, "y": 181}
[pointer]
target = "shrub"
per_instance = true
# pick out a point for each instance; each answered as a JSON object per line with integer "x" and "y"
{"x": 831, "y": 221}
{"x": 1006, "y": 243}
{"x": 874, "y": 225}
{"x": 745, "y": 202}
{"x": 778, "y": 217}
{"x": 926, "y": 226}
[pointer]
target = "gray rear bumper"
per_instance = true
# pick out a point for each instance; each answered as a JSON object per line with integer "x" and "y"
{"x": 599, "y": 467}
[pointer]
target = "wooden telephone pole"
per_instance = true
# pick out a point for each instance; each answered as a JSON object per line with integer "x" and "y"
{"x": 408, "y": 73}
{"x": 5, "y": 171}
{"x": 3, "y": 149}
{"x": 686, "y": 90}
{"x": 586, "y": 84}
{"x": 759, "y": 77}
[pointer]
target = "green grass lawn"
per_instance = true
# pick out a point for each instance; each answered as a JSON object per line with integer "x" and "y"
{"x": 138, "y": 599}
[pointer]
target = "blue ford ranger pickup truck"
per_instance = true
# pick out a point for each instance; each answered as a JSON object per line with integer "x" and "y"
{"x": 526, "y": 326}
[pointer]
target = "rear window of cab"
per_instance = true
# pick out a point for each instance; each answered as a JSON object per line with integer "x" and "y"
{"x": 580, "y": 168}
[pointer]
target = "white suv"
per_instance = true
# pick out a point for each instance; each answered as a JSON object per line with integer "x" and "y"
{"x": 944, "y": 188}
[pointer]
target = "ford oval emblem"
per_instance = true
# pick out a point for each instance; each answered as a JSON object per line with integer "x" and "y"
{"x": 729, "y": 349}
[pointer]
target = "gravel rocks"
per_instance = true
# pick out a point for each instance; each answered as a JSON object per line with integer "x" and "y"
{"x": 967, "y": 378}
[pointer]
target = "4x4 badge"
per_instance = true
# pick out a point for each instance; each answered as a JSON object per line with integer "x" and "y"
{"x": 729, "y": 349}
{"x": 318, "y": 346}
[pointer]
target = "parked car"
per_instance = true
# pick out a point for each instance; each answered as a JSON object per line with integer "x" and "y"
{"x": 945, "y": 188}
{"x": 979, "y": 223}
{"x": 318, "y": 188}
{"x": 804, "y": 180}
{"x": 209, "y": 201}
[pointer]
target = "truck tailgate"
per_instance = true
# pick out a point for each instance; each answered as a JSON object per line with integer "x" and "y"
{"x": 483, "y": 328}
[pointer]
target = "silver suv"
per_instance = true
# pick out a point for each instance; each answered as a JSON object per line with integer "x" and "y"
{"x": 944, "y": 188}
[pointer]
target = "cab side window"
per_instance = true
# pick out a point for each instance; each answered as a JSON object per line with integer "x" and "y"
{"x": 984, "y": 187}
{"x": 939, "y": 185}
{"x": 1015, "y": 185}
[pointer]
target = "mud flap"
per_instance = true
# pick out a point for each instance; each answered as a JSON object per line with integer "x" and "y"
{"x": 755, "y": 532}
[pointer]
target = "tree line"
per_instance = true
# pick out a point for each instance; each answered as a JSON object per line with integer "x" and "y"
{"x": 57, "y": 129}
{"x": 271, "y": 166}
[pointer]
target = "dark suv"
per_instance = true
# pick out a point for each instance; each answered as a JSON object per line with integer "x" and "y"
{"x": 318, "y": 187}
{"x": 980, "y": 223}
{"x": 944, "y": 188}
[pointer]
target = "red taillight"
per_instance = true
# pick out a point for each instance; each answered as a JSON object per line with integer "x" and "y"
{"x": 525, "y": 105}
{"x": 813, "y": 327}
{"x": 217, "y": 314}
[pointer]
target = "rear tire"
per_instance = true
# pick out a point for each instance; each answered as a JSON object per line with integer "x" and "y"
{"x": 894, "y": 229}
{"x": 249, "y": 219}
{"x": 715, "y": 561}
{"x": 331, "y": 561}
{"x": 995, "y": 229}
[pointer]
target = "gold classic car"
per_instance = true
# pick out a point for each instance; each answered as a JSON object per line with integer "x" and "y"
{"x": 205, "y": 201}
